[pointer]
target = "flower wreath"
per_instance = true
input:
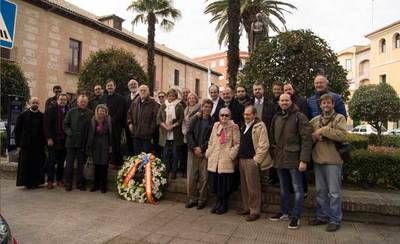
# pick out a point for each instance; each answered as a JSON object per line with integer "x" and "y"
{"x": 142, "y": 178}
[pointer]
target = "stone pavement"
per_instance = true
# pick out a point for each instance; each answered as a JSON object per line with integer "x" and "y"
{"x": 43, "y": 216}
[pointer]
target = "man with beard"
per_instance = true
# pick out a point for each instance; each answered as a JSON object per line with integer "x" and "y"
{"x": 96, "y": 100}
{"x": 30, "y": 141}
{"x": 54, "y": 131}
{"x": 117, "y": 110}
{"x": 242, "y": 96}
{"x": 142, "y": 117}
{"x": 234, "y": 106}
{"x": 214, "y": 92}
{"x": 298, "y": 100}
{"x": 133, "y": 94}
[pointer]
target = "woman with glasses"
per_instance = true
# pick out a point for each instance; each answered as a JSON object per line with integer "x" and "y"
{"x": 223, "y": 148}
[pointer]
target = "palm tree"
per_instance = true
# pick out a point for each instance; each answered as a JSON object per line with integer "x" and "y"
{"x": 152, "y": 12}
{"x": 233, "y": 41}
{"x": 248, "y": 9}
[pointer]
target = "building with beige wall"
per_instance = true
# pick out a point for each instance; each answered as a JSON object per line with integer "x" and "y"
{"x": 374, "y": 63}
{"x": 53, "y": 38}
{"x": 219, "y": 63}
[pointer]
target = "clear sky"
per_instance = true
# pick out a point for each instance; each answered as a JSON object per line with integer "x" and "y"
{"x": 342, "y": 23}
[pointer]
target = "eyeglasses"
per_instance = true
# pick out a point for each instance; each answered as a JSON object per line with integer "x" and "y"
{"x": 224, "y": 115}
{"x": 160, "y": 96}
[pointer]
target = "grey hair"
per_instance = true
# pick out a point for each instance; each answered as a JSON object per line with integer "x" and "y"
{"x": 225, "y": 110}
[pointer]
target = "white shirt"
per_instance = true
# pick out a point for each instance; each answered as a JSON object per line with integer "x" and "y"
{"x": 214, "y": 106}
{"x": 248, "y": 126}
{"x": 133, "y": 95}
{"x": 259, "y": 101}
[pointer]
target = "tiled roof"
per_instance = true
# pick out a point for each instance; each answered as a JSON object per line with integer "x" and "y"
{"x": 75, "y": 10}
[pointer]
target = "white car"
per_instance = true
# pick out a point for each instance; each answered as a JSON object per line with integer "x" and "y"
{"x": 392, "y": 132}
{"x": 366, "y": 130}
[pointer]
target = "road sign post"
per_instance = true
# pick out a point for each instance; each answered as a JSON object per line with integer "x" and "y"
{"x": 7, "y": 23}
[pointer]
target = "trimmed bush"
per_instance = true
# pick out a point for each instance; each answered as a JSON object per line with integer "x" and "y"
{"x": 373, "y": 168}
{"x": 387, "y": 141}
{"x": 357, "y": 141}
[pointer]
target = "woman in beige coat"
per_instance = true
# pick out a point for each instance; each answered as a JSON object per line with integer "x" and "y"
{"x": 222, "y": 150}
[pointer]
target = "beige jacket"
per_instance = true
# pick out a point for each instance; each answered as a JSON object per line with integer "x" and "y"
{"x": 261, "y": 145}
{"x": 221, "y": 157}
{"x": 333, "y": 130}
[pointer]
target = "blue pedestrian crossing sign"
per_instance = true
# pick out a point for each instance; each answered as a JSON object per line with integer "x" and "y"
{"x": 7, "y": 23}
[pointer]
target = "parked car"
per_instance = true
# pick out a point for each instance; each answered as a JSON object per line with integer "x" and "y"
{"x": 5, "y": 233}
{"x": 366, "y": 130}
{"x": 392, "y": 132}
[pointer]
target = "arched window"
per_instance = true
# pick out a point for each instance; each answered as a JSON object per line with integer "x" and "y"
{"x": 396, "y": 40}
{"x": 382, "y": 46}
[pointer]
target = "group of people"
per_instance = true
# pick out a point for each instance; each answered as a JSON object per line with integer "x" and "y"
{"x": 217, "y": 143}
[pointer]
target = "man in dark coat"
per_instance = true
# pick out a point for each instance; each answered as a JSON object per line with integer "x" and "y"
{"x": 96, "y": 100}
{"x": 52, "y": 101}
{"x": 117, "y": 110}
{"x": 291, "y": 142}
{"x": 133, "y": 86}
{"x": 218, "y": 103}
{"x": 142, "y": 116}
{"x": 30, "y": 141}
{"x": 242, "y": 97}
{"x": 76, "y": 127}
{"x": 234, "y": 106}
{"x": 54, "y": 132}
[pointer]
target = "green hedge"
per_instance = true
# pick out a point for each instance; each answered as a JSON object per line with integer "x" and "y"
{"x": 387, "y": 141}
{"x": 357, "y": 141}
{"x": 373, "y": 168}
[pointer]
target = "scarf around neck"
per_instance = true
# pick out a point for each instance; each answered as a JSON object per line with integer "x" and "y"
{"x": 170, "y": 110}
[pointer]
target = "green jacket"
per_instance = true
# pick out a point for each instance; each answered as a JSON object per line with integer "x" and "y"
{"x": 291, "y": 139}
{"x": 161, "y": 117}
{"x": 76, "y": 127}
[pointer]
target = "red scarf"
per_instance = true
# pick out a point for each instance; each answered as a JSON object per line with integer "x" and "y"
{"x": 222, "y": 137}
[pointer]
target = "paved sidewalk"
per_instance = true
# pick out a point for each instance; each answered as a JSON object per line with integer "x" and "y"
{"x": 43, "y": 216}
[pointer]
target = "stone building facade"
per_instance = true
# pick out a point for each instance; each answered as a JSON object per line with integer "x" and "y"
{"x": 53, "y": 38}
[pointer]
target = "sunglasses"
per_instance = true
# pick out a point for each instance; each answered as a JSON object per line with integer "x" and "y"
{"x": 160, "y": 96}
{"x": 224, "y": 115}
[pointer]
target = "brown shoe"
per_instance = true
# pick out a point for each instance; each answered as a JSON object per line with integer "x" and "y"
{"x": 252, "y": 217}
{"x": 242, "y": 212}
{"x": 50, "y": 185}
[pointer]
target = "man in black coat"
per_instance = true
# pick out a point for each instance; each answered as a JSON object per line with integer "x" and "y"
{"x": 133, "y": 94}
{"x": 30, "y": 141}
{"x": 52, "y": 101}
{"x": 218, "y": 103}
{"x": 54, "y": 132}
{"x": 96, "y": 100}
{"x": 117, "y": 110}
{"x": 234, "y": 106}
{"x": 242, "y": 97}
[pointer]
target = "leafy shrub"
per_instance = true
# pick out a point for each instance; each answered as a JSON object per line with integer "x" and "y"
{"x": 368, "y": 168}
{"x": 357, "y": 141}
{"x": 387, "y": 141}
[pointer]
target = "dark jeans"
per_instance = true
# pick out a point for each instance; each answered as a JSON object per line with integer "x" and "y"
{"x": 171, "y": 156}
{"x": 56, "y": 158}
{"x": 284, "y": 179}
{"x": 100, "y": 176}
{"x": 183, "y": 160}
{"x": 80, "y": 156}
{"x": 141, "y": 145}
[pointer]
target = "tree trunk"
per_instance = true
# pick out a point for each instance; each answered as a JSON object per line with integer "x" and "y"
{"x": 233, "y": 41}
{"x": 151, "y": 32}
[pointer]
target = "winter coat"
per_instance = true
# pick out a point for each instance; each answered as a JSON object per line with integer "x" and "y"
{"x": 161, "y": 118}
{"x": 260, "y": 139}
{"x": 198, "y": 136}
{"x": 221, "y": 157}
{"x": 99, "y": 143}
{"x": 142, "y": 116}
{"x": 314, "y": 107}
{"x": 76, "y": 127}
{"x": 187, "y": 116}
{"x": 291, "y": 139}
{"x": 52, "y": 117}
{"x": 333, "y": 130}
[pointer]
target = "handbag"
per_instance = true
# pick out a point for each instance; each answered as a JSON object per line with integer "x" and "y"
{"x": 88, "y": 170}
{"x": 344, "y": 149}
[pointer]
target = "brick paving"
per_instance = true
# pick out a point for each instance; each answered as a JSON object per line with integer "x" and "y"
{"x": 43, "y": 216}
